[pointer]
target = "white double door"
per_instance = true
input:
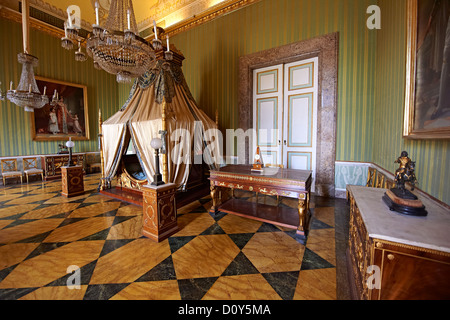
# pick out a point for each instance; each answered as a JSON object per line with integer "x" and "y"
{"x": 285, "y": 114}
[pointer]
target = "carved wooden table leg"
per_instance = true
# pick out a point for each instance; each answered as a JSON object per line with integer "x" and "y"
{"x": 215, "y": 199}
{"x": 301, "y": 213}
{"x": 304, "y": 216}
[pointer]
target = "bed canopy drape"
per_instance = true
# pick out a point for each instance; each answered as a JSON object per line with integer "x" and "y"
{"x": 161, "y": 100}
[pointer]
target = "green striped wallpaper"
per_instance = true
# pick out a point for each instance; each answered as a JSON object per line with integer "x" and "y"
{"x": 370, "y": 75}
{"x": 370, "y": 78}
{"x": 431, "y": 156}
{"x": 54, "y": 63}
{"x": 212, "y": 51}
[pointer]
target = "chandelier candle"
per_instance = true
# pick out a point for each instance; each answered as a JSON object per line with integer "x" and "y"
{"x": 96, "y": 12}
{"x": 69, "y": 18}
{"x": 128, "y": 19}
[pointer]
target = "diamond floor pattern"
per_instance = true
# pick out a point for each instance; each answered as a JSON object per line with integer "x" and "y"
{"x": 43, "y": 235}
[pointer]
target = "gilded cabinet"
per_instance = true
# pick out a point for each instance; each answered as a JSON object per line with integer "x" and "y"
{"x": 52, "y": 164}
{"x": 392, "y": 256}
{"x": 359, "y": 246}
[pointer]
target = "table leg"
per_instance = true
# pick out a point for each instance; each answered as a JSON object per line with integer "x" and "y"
{"x": 303, "y": 212}
{"x": 215, "y": 199}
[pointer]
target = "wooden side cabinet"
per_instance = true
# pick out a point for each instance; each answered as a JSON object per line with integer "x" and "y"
{"x": 72, "y": 181}
{"x": 159, "y": 211}
{"x": 388, "y": 256}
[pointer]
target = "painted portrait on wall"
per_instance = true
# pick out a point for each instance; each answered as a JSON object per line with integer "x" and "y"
{"x": 66, "y": 117}
{"x": 427, "y": 103}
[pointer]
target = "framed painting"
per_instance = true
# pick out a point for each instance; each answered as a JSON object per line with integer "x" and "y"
{"x": 68, "y": 117}
{"x": 427, "y": 94}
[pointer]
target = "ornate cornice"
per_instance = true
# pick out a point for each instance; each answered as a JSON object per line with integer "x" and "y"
{"x": 211, "y": 14}
{"x": 56, "y": 12}
{"x": 16, "y": 16}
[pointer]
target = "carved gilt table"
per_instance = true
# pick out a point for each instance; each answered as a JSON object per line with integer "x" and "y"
{"x": 279, "y": 182}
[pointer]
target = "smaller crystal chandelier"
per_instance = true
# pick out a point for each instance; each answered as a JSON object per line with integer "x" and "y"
{"x": 27, "y": 94}
{"x": 80, "y": 55}
{"x": 66, "y": 42}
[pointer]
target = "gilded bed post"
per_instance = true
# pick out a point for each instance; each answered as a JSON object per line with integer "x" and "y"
{"x": 100, "y": 137}
{"x": 164, "y": 155}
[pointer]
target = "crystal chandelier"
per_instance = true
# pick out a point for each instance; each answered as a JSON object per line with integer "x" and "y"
{"x": 27, "y": 94}
{"x": 115, "y": 47}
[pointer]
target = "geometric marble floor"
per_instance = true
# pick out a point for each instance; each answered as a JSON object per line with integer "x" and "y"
{"x": 48, "y": 242}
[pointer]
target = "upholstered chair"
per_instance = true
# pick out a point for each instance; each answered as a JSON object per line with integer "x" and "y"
{"x": 9, "y": 170}
{"x": 93, "y": 162}
{"x": 30, "y": 167}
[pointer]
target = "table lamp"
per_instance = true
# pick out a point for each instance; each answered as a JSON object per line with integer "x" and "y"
{"x": 156, "y": 144}
{"x": 70, "y": 145}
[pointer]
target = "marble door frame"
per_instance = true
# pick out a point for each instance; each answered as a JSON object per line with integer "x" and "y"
{"x": 326, "y": 49}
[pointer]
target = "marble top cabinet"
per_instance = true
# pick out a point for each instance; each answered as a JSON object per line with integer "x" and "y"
{"x": 395, "y": 256}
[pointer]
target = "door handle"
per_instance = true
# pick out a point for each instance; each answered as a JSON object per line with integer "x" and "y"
{"x": 284, "y": 142}
{"x": 279, "y": 142}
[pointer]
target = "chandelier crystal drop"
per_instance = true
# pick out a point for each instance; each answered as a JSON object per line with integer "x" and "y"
{"x": 66, "y": 43}
{"x": 71, "y": 32}
{"x": 80, "y": 55}
{"x": 69, "y": 36}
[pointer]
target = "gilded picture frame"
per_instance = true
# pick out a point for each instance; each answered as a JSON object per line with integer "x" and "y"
{"x": 68, "y": 118}
{"x": 427, "y": 99}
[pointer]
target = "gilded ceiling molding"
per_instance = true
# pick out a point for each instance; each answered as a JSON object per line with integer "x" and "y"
{"x": 208, "y": 15}
{"x": 162, "y": 10}
{"x": 196, "y": 20}
{"x": 56, "y": 12}
{"x": 15, "y": 16}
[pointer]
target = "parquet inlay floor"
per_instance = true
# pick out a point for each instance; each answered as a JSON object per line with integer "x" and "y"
{"x": 44, "y": 237}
